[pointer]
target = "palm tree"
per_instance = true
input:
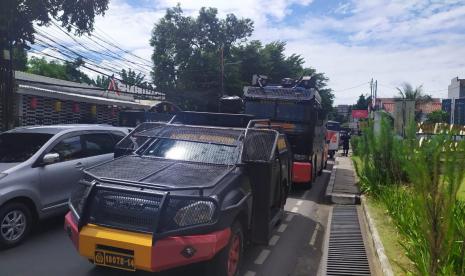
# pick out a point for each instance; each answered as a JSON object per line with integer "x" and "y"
{"x": 407, "y": 92}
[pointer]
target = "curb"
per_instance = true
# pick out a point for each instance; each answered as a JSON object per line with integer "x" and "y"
{"x": 338, "y": 198}
{"x": 332, "y": 178}
{"x": 376, "y": 241}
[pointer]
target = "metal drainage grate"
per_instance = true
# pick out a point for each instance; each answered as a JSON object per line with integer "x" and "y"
{"x": 346, "y": 253}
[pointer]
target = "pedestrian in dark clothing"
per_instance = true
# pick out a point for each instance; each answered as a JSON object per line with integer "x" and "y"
{"x": 345, "y": 144}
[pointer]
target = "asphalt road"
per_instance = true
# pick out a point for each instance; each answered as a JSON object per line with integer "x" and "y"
{"x": 294, "y": 249}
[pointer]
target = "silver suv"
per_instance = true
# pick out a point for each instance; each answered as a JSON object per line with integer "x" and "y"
{"x": 40, "y": 165}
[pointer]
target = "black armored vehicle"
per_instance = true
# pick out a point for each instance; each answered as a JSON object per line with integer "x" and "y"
{"x": 184, "y": 194}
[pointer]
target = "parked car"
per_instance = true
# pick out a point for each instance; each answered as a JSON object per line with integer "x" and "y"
{"x": 40, "y": 166}
{"x": 186, "y": 194}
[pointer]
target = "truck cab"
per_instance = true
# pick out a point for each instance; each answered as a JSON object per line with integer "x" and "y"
{"x": 184, "y": 194}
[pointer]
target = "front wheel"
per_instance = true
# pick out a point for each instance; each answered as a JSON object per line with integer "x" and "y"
{"x": 15, "y": 224}
{"x": 228, "y": 260}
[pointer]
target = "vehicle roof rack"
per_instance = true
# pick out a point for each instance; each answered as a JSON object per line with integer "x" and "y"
{"x": 282, "y": 93}
{"x": 212, "y": 119}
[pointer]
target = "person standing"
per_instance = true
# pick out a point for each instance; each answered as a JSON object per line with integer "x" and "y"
{"x": 345, "y": 144}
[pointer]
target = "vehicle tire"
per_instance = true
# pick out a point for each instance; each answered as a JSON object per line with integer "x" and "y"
{"x": 228, "y": 261}
{"x": 15, "y": 224}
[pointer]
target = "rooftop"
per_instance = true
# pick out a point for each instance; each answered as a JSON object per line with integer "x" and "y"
{"x": 31, "y": 84}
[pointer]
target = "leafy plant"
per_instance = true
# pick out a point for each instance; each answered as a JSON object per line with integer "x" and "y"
{"x": 382, "y": 157}
{"x": 418, "y": 181}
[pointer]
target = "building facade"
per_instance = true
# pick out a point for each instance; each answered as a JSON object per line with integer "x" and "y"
{"x": 40, "y": 100}
{"x": 343, "y": 110}
{"x": 389, "y": 105}
{"x": 455, "y": 104}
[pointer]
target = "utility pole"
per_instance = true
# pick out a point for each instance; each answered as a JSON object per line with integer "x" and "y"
{"x": 222, "y": 71}
{"x": 6, "y": 73}
{"x": 371, "y": 94}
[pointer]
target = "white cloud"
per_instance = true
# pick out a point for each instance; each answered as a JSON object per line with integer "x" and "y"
{"x": 394, "y": 41}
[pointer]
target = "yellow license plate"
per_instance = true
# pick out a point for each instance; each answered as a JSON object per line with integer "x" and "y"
{"x": 114, "y": 259}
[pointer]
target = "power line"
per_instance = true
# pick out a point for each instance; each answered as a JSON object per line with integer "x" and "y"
{"x": 107, "y": 68}
{"x": 112, "y": 55}
{"x": 72, "y": 57}
{"x": 427, "y": 92}
{"x": 75, "y": 52}
{"x": 116, "y": 46}
{"x": 357, "y": 86}
{"x": 87, "y": 67}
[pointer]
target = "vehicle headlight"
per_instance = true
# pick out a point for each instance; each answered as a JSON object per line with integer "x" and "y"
{"x": 195, "y": 213}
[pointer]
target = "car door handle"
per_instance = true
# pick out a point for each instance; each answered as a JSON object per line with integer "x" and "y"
{"x": 79, "y": 166}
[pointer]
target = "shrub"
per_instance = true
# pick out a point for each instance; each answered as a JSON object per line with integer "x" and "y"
{"x": 381, "y": 156}
{"x": 418, "y": 181}
{"x": 427, "y": 213}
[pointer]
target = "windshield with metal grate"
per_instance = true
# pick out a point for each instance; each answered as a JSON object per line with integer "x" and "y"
{"x": 193, "y": 151}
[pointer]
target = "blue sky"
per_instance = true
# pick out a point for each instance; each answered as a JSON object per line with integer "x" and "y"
{"x": 421, "y": 42}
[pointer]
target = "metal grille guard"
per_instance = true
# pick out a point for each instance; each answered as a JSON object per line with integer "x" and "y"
{"x": 164, "y": 202}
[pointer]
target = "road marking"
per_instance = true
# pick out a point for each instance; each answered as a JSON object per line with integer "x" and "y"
{"x": 262, "y": 257}
{"x": 274, "y": 240}
{"x": 305, "y": 194}
{"x": 299, "y": 202}
{"x": 249, "y": 273}
{"x": 289, "y": 217}
{"x": 295, "y": 209}
{"x": 313, "y": 238}
{"x": 282, "y": 228}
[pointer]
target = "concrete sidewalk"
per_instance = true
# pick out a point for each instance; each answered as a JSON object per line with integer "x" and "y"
{"x": 342, "y": 187}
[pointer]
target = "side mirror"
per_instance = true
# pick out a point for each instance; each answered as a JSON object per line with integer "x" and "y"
{"x": 51, "y": 158}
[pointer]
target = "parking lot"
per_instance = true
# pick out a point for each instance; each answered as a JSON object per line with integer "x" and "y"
{"x": 294, "y": 249}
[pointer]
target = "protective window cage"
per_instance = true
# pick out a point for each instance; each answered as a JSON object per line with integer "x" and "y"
{"x": 258, "y": 144}
{"x": 281, "y": 93}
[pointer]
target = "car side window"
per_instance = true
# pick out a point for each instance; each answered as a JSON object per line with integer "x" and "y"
{"x": 118, "y": 136}
{"x": 69, "y": 148}
{"x": 97, "y": 144}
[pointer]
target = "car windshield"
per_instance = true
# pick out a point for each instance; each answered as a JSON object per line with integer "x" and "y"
{"x": 193, "y": 151}
{"x": 18, "y": 147}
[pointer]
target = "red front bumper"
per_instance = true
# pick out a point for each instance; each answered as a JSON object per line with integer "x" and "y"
{"x": 163, "y": 254}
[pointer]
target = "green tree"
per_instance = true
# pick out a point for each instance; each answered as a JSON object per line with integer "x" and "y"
{"x": 362, "y": 102}
{"x": 438, "y": 116}
{"x": 102, "y": 81}
{"x": 19, "y": 59}
{"x": 407, "y": 92}
{"x": 68, "y": 71}
{"x": 17, "y": 17}
{"x": 130, "y": 77}
{"x": 74, "y": 74}
{"x": 187, "y": 58}
{"x": 187, "y": 50}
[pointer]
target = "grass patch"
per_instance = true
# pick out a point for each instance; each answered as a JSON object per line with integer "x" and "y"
{"x": 461, "y": 192}
{"x": 390, "y": 237}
